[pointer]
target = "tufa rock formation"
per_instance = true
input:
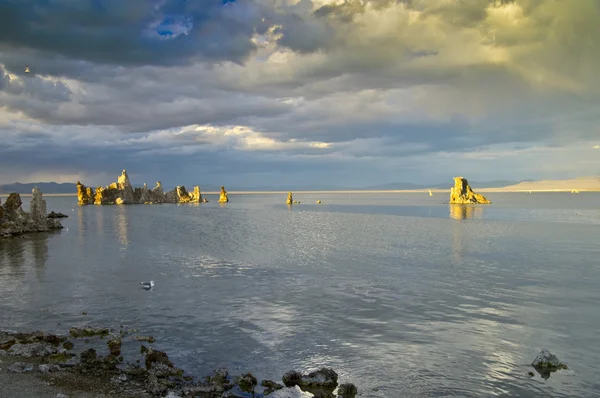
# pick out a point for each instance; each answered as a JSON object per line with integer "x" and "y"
{"x": 15, "y": 221}
{"x": 462, "y": 193}
{"x": 223, "y": 198}
{"x": 289, "y": 200}
{"x": 123, "y": 193}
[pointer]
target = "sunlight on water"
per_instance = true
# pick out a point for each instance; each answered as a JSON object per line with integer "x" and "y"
{"x": 402, "y": 294}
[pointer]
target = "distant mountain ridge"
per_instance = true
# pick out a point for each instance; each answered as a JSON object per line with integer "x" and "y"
{"x": 529, "y": 184}
{"x": 45, "y": 187}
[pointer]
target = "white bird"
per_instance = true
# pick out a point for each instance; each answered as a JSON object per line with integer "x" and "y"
{"x": 147, "y": 285}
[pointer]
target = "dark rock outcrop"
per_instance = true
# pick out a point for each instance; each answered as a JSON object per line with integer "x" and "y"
{"x": 15, "y": 221}
{"x": 52, "y": 214}
{"x": 123, "y": 193}
{"x": 156, "y": 375}
{"x": 321, "y": 383}
{"x": 462, "y": 193}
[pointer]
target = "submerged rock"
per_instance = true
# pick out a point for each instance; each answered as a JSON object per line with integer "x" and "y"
{"x": 88, "y": 332}
{"x": 462, "y": 193}
{"x": 223, "y": 198}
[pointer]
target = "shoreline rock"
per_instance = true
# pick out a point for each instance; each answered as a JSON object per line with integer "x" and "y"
{"x": 461, "y": 193}
{"x": 153, "y": 375}
{"x": 123, "y": 193}
{"x": 15, "y": 221}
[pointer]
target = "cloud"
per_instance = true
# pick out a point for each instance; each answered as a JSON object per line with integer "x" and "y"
{"x": 249, "y": 90}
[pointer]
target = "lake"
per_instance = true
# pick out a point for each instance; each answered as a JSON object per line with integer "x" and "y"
{"x": 400, "y": 293}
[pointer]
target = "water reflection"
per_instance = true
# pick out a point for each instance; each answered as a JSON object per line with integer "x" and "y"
{"x": 39, "y": 247}
{"x": 81, "y": 224}
{"x": 121, "y": 225}
{"x": 457, "y": 243}
{"x": 24, "y": 250}
{"x": 462, "y": 212}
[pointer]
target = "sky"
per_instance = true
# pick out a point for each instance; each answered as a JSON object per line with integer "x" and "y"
{"x": 298, "y": 92}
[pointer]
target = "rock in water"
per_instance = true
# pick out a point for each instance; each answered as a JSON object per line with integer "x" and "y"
{"x": 462, "y": 193}
{"x": 125, "y": 189}
{"x": 289, "y": 200}
{"x": 52, "y": 214}
{"x": 223, "y": 198}
{"x": 122, "y": 192}
{"x": 37, "y": 208}
{"x": 546, "y": 359}
{"x": 15, "y": 221}
{"x": 196, "y": 196}
{"x": 85, "y": 195}
{"x": 182, "y": 195}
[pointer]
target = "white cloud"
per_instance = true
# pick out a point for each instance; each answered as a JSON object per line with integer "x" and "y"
{"x": 369, "y": 82}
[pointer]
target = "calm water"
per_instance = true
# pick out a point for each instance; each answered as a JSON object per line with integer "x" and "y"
{"x": 397, "y": 292}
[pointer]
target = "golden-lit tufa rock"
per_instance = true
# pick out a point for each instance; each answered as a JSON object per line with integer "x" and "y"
{"x": 85, "y": 195}
{"x": 123, "y": 193}
{"x": 196, "y": 196}
{"x": 223, "y": 198}
{"x": 290, "y": 199}
{"x": 462, "y": 193}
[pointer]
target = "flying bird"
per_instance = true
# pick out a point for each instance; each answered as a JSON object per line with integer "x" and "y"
{"x": 147, "y": 285}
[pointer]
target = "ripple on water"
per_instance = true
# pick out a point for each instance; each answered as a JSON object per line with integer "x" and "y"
{"x": 392, "y": 292}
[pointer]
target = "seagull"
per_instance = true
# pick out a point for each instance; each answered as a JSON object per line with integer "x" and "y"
{"x": 147, "y": 285}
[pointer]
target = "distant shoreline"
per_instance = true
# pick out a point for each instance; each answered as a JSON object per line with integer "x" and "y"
{"x": 446, "y": 191}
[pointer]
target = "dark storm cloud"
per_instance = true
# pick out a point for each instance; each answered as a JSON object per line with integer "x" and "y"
{"x": 133, "y": 32}
{"x": 361, "y": 89}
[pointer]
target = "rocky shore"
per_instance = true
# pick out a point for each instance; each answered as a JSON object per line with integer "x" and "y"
{"x": 123, "y": 193}
{"x": 50, "y": 365}
{"x": 14, "y": 221}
